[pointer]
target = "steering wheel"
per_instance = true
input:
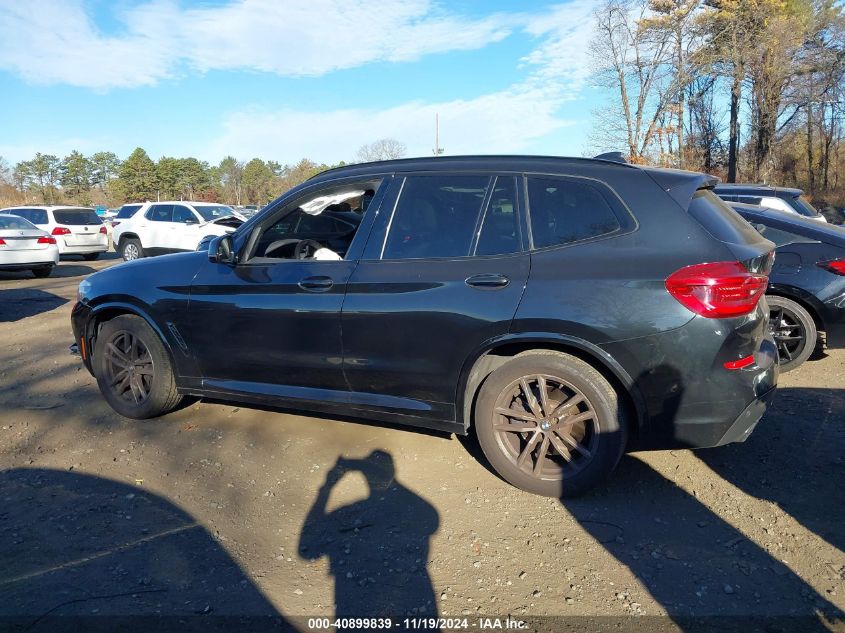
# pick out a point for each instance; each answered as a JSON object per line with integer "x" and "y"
{"x": 279, "y": 244}
{"x": 306, "y": 249}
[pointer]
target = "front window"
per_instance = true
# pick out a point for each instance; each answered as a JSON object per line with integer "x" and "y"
{"x": 211, "y": 212}
{"x": 320, "y": 225}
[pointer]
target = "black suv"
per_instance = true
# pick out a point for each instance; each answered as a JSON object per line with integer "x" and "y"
{"x": 563, "y": 309}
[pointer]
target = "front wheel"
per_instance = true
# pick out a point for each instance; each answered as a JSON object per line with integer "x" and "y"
{"x": 131, "y": 249}
{"x": 550, "y": 424}
{"x": 793, "y": 329}
{"x": 133, "y": 369}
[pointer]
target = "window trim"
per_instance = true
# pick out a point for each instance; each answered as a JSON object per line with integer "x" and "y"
{"x": 627, "y": 222}
{"x": 485, "y": 210}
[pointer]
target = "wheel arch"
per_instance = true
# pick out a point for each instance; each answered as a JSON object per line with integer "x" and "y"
{"x": 802, "y": 298}
{"x": 128, "y": 235}
{"x": 497, "y": 352}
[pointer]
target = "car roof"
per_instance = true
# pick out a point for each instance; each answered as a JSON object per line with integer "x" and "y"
{"x": 734, "y": 187}
{"x": 190, "y": 202}
{"x": 677, "y": 183}
{"x": 46, "y": 207}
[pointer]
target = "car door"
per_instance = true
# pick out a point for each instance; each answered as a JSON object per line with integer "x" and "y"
{"x": 184, "y": 231}
{"x": 270, "y": 325}
{"x": 155, "y": 227}
{"x": 442, "y": 275}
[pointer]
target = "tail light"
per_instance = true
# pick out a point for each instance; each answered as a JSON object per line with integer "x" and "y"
{"x": 2, "y": 242}
{"x": 46, "y": 239}
{"x": 60, "y": 230}
{"x": 836, "y": 266}
{"x": 103, "y": 230}
{"x": 717, "y": 290}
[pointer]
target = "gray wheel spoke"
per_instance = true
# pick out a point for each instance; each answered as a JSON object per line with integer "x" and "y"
{"x": 568, "y": 421}
{"x": 119, "y": 377}
{"x": 541, "y": 456}
{"x": 515, "y": 427}
{"x": 544, "y": 395}
{"x": 574, "y": 444}
{"x": 560, "y": 447}
{"x": 571, "y": 402}
{"x": 518, "y": 415}
{"x": 117, "y": 355}
{"x": 532, "y": 443}
{"x": 530, "y": 399}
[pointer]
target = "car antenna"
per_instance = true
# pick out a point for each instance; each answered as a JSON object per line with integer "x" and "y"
{"x": 616, "y": 157}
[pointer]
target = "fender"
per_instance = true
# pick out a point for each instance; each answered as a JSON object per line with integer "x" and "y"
{"x": 585, "y": 350}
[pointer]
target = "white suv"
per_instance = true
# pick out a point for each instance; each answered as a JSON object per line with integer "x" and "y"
{"x": 78, "y": 230}
{"x": 170, "y": 227}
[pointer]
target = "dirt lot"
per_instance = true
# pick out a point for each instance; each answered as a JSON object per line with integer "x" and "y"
{"x": 226, "y": 510}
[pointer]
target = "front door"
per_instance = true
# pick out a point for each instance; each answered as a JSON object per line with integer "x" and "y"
{"x": 270, "y": 324}
{"x": 443, "y": 276}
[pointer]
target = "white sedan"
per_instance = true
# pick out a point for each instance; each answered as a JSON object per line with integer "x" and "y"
{"x": 23, "y": 246}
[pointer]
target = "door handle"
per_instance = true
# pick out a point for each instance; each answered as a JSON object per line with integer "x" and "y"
{"x": 491, "y": 281}
{"x": 316, "y": 284}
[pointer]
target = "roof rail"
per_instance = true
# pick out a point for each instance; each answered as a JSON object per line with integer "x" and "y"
{"x": 616, "y": 157}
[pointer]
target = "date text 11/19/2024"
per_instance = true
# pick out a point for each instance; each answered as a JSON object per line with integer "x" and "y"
{"x": 415, "y": 624}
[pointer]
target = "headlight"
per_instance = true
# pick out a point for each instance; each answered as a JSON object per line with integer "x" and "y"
{"x": 83, "y": 290}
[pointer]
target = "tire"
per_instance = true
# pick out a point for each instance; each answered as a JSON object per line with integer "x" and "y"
{"x": 90, "y": 257}
{"x": 793, "y": 329}
{"x": 603, "y": 435}
{"x": 130, "y": 249}
{"x": 150, "y": 390}
{"x": 41, "y": 273}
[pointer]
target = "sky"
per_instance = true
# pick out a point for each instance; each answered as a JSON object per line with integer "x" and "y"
{"x": 289, "y": 79}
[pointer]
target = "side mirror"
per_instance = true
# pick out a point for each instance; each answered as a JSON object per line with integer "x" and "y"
{"x": 761, "y": 228}
{"x": 191, "y": 221}
{"x": 221, "y": 250}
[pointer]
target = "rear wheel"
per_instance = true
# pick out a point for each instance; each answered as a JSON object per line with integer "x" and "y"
{"x": 793, "y": 329}
{"x": 550, "y": 424}
{"x": 130, "y": 249}
{"x": 90, "y": 257}
{"x": 133, "y": 369}
{"x": 41, "y": 273}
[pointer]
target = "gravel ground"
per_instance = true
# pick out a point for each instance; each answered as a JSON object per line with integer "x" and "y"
{"x": 226, "y": 510}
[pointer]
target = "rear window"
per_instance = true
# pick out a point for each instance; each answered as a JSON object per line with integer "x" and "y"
{"x": 720, "y": 220}
{"x": 10, "y": 222}
{"x": 77, "y": 217}
{"x": 127, "y": 211}
{"x": 565, "y": 210}
{"x": 36, "y": 216}
{"x": 803, "y": 206}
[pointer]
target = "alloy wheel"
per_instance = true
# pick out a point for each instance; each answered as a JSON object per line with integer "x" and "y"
{"x": 789, "y": 334}
{"x": 129, "y": 367}
{"x": 130, "y": 252}
{"x": 546, "y": 426}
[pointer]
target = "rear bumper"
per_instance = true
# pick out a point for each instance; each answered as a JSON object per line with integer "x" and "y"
{"x": 691, "y": 399}
{"x": 834, "y": 322}
{"x": 100, "y": 247}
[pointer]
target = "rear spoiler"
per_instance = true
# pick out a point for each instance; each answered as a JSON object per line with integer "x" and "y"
{"x": 681, "y": 185}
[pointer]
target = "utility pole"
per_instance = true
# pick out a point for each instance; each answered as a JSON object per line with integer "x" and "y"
{"x": 437, "y": 149}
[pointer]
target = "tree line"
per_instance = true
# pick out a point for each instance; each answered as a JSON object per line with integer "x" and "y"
{"x": 105, "y": 179}
{"x": 751, "y": 90}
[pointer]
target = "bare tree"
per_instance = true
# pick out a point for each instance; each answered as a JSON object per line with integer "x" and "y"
{"x": 382, "y": 149}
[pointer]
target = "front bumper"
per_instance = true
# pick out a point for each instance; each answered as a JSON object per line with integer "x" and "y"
{"x": 79, "y": 319}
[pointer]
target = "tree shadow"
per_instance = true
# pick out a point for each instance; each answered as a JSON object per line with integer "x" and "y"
{"x": 21, "y": 303}
{"x": 796, "y": 459}
{"x": 377, "y": 547}
{"x": 80, "y": 552}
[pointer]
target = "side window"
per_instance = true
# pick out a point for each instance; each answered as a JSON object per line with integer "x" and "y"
{"x": 565, "y": 210}
{"x": 316, "y": 225}
{"x": 160, "y": 213}
{"x": 750, "y": 199}
{"x": 183, "y": 214}
{"x": 435, "y": 216}
{"x": 779, "y": 236}
{"x": 500, "y": 227}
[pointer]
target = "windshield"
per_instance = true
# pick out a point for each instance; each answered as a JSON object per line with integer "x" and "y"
{"x": 211, "y": 212}
{"x": 803, "y": 206}
{"x": 14, "y": 222}
{"x": 77, "y": 217}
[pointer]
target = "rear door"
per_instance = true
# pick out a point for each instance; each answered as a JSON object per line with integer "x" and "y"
{"x": 155, "y": 228}
{"x": 442, "y": 275}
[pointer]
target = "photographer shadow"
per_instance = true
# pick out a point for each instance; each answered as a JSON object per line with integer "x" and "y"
{"x": 377, "y": 547}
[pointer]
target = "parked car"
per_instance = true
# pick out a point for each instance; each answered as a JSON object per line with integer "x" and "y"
{"x": 807, "y": 283}
{"x": 23, "y": 246}
{"x": 78, "y": 230}
{"x": 536, "y": 302}
{"x": 779, "y": 198}
{"x": 156, "y": 228}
